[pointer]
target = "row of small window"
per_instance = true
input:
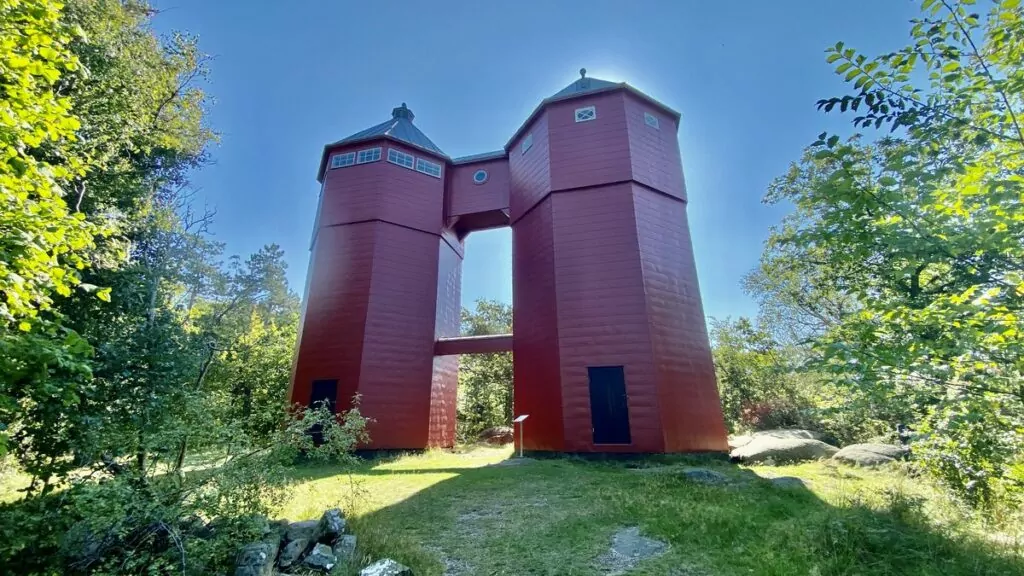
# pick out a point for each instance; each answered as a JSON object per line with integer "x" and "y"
{"x": 353, "y": 158}
{"x": 412, "y": 163}
{"x": 586, "y": 114}
{"x": 394, "y": 156}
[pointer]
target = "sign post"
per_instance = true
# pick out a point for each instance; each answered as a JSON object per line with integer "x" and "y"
{"x": 520, "y": 420}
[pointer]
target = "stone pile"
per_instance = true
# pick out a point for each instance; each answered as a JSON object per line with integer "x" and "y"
{"x": 309, "y": 545}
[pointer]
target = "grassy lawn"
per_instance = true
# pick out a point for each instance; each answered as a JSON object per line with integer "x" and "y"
{"x": 459, "y": 513}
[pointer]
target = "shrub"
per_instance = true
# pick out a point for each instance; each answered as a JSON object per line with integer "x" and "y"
{"x": 117, "y": 522}
{"x": 770, "y": 414}
{"x": 973, "y": 447}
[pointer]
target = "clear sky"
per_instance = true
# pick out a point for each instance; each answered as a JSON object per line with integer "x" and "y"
{"x": 289, "y": 76}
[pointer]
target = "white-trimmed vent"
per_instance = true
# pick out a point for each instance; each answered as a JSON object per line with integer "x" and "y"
{"x": 368, "y": 155}
{"x": 586, "y": 113}
{"x": 527, "y": 143}
{"x": 652, "y": 121}
{"x": 401, "y": 158}
{"x": 343, "y": 160}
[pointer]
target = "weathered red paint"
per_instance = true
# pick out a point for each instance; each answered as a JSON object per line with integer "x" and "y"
{"x": 603, "y": 275}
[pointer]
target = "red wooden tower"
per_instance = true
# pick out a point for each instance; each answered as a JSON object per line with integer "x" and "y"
{"x": 610, "y": 348}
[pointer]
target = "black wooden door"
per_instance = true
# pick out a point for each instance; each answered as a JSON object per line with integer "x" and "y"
{"x": 609, "y": 412}
{"x": 324, "y": 390}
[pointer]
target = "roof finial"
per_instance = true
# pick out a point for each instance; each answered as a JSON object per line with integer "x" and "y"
{"x": 583, "y": 73}
{"x": 402, "y": 112}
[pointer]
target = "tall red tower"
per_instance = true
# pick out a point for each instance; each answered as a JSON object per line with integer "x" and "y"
{"x": 611, "y": 352}
{"x": 382, "y": 286}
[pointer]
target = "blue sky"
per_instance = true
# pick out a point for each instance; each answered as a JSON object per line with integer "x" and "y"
{"x": 289, "y": 76}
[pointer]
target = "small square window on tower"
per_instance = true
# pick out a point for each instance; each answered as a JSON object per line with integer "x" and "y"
{"x": 651, "y": 120}
{"x": 585, "y": 114}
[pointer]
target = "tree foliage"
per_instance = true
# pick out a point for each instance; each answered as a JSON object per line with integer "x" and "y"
{"x": 149, "y": 405}
{"x": 765, "y": 383}
{"x": 923, "y": 230}
{"x": 485, "y": 380}
{"x": 752, "y": 374}
{"x": 43, "y": 243}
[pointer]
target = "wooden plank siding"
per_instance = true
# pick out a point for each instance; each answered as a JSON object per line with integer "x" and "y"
{"x": 603, "y": 275}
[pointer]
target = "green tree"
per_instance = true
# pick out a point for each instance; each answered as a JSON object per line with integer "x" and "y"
{"x": 752, "y": 376}
{"x": 925, "y": 230}
{"x": 489, "y": 317}
{"x": 130, "y": 131}
{"x": 251, "y": 364}
{"x": 43, "y": 244}
{"x": 485, "y": 380}
{"x": 799, "y": 297}
{"x": 181, "y": 353}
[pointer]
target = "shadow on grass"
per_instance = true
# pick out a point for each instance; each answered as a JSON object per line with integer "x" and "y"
{"x": 557, "y": 516}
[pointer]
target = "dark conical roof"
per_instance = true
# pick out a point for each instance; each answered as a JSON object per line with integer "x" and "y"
{"x": 582, "y": 86}
{"x": 399, "y": 127}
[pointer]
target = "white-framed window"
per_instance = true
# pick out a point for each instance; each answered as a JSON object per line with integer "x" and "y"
{"x": 480, "y": 176}
{"x": 343, "y": 160}
{"x": 527, "y": 143}
{"x": 428, "y": 167}
{"x": 652, "y": 121}
{"x": 368, "y": 155}
{"x": 586, "y": 113}
{"x": 401, "y": 158}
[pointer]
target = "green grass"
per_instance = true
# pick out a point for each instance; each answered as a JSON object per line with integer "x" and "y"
{"x": 12, "y": 483}
{"x": 456, "y": 513}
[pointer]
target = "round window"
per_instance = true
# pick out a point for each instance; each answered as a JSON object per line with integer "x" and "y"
{"x": 480, "y": 176}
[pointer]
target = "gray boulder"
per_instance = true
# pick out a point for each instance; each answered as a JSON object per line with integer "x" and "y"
{"x": 292, "y": 552}
{"x": 782, "y": 450}
{"x": 256, "y": 559}
{"x": 386, "y": 567}
{"x": 304, "y": 529}
{"x": 628, "y": 549}
{"x": 705, "y": 476}
{"x": 345, "y": 548}
{"x": 738, "y": 441}
{"x": 498, "y": 435}
{"x": 789, "y": 433}
{"x": 742, "y": 440}
{"x": 321, "y": 558}
{"x": 273, "y": 535}
{"x": 330, "y": 527}
{"x": 869, "y": 454}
